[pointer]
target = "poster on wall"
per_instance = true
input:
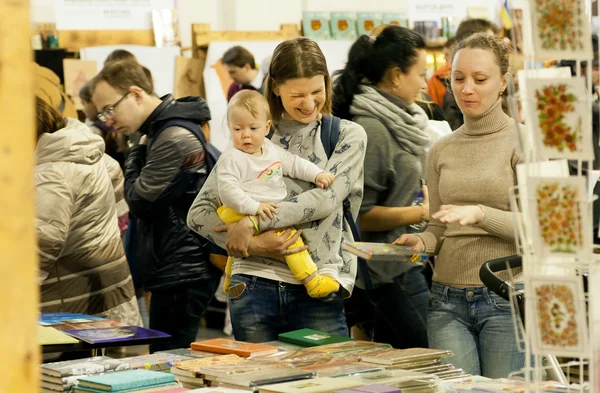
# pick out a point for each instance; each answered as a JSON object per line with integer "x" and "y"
{"x": 107, "y": 14}
{"x": 435, "y": 10}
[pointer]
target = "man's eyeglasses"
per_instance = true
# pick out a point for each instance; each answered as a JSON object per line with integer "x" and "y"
{"x": 109, "y": 112}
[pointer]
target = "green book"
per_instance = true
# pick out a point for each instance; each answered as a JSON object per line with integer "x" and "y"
{"x": 312, "y": 338}
{"x": 125, "y": 380}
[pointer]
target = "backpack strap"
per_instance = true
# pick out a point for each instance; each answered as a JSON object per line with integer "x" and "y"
{"x": 330, "y": 135}
{"x": 212, "y": 153}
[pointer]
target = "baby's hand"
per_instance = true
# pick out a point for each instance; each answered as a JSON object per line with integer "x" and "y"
{"x": 324, "y": 179}
{"x": 266, "y": 209}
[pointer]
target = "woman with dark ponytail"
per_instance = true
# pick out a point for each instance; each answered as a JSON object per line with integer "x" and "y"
{"x": 378, "y": 89}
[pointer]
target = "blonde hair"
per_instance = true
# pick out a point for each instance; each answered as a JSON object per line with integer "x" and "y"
{"x": 252, "y": 101}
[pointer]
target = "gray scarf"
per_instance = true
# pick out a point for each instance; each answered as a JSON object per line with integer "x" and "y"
{"x": 407, "y": 123}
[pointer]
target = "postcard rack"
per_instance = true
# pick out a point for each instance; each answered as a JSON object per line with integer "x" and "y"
{"x": 562, "y": 314}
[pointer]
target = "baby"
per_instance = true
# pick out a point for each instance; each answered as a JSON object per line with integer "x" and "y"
{"x": 250, "y": 179}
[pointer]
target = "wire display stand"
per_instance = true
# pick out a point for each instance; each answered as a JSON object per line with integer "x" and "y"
{"x": 539, "y": 366}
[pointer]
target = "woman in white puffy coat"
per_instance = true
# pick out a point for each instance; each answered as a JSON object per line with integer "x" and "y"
{"x": 80, "y": 249}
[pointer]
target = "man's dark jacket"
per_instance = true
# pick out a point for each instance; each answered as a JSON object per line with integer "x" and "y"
{"x": 161, "y": 181}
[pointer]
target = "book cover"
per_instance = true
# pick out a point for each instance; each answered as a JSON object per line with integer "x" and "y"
{"x": 312, "y": 338}
{"x": 392, "y": 356}
{"x": 130, "y": 379}
{"x": 225, "y": 370}
{"x": 188, "y": 352}
{"x": 267, "y": 377}
{"x": 301, "y": 358}
{"x": 48, "y": 335}
{"x": 104, "y": 323}
{"x": 227, "y": 346}
{"x": 348, "y": 346}
{"x": 343, "y": 25}
{"x": 190, "y": 367}
{"x": 58, "y": 318}
{"x": 155, "y": 362}
{"x": 219, "y": 389}
{"x": 284, "y": 346}
{"x": 316, "y": 385}
{"x": 147, "y": 389}
{"x": 377, "y": 388}
{"x": 115, "y": 334}
{"x": 87, "y": 366}
{"x": 398, "y": 378}
{"x": 346, "y": 370}
{"x": 384, "y": 252}
{"x": 367, "y": 21}
{"x": 315, "y": 25}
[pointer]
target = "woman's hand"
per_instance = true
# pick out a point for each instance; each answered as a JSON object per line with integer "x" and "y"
{"x": 464, "y": 215}
{"x": 411, "y": 241}
{"x": 269, "y": 244}
{"x": 239, "y": 236}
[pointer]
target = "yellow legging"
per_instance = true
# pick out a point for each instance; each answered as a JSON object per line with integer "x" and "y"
{"x": 300, "y": 264}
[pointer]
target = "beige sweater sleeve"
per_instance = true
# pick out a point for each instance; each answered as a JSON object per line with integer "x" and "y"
{"x": 433, "y": 236}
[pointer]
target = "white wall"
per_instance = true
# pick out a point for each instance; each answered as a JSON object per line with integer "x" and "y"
{"x": 256, "y": 14}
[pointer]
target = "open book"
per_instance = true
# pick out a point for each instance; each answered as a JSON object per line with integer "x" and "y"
{"x": 385, "y": 252}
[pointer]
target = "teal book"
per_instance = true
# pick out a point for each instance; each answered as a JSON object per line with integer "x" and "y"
{"x": 315, "y": 25}
{"x": 343, "y": 25}
{"x": 312, "y": 338}
{"x": 367, "y": 21}
{"x": 125, "y": 380}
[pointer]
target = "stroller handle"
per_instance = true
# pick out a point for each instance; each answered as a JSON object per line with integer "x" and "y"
{"x": 499, "y": 286}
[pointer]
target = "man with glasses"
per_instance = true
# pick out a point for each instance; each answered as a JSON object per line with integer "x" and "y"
{"x": 163, "y": 175}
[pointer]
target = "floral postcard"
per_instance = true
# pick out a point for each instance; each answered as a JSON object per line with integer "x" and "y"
{"x": 557, "y": 307}
{"x": 560, "y": 29}
{"x": 558, "y": 214}
{"x": 561, "y": 118}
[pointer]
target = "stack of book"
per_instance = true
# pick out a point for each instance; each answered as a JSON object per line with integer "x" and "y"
{"x": 188, "y": 372}
{"x": 138, "y": 381}
{"x": 415, "y": 359}
{"x": 62, "y": 376}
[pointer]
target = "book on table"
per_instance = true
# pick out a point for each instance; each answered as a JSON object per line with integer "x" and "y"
{"x": 190, "y": 368}
{"x": 392, "y": 356}
{"x": 384, "y": 252}
{"x": 227, "y": 346}
{"x": 312, "y": 338}
{"x": 316, "y": 385}
{"x": 86, "y": 366}
{"x": 126, "y": 380}
{"x": 348, "y": 346}
{"x": 116, "y": 334}
{"x": 266, "y": 377}
{"x": 48, "y": 335}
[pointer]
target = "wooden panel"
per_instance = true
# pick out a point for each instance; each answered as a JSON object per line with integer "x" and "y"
{"x": 76, "y": 39}
{"x": 19, "y": 293}
{"x": 202, "y": 35}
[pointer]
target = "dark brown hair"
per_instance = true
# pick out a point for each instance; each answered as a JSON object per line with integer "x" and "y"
{"x": 48, "y": 119}
{"x": 239, "y": 57}
{"x": 370, "y": 58}
{"x": 85, "y": 93}
{"x": 471, "y": 26}
{"x": 121, "y": 75}
{"x": 120, "y": 55}
{"x": 296, "y": 58}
